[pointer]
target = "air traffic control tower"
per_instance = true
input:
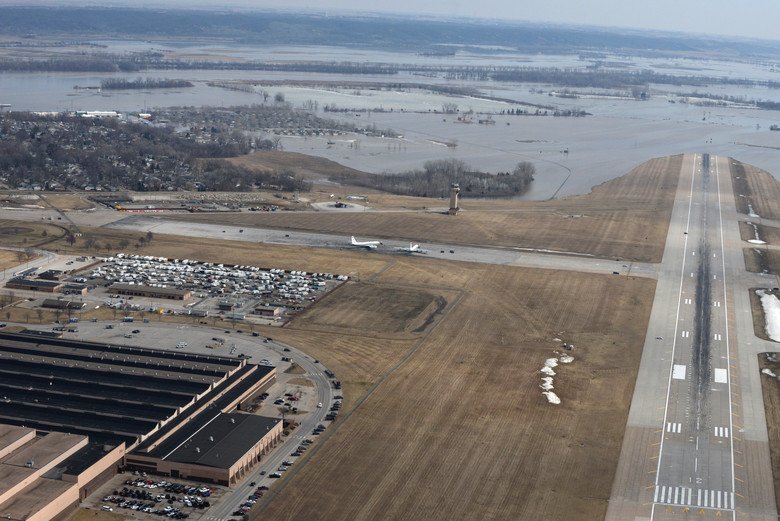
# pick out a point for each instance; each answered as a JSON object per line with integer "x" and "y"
{"x": 454, "y": 195}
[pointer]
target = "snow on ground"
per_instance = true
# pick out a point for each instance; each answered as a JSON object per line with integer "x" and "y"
{"x": 767, "y": 371}
{"x": 552, "y": 397}
{"x": 548, "y": 371}
{"x": 566, "y": 359}
{"x": 771, "y": 307}
{"x": 756, "y": 241}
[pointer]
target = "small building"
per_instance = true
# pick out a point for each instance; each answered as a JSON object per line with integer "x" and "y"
{"x": 225, "y": 305}
{"x": 48, "y": 286}
{"x": 53, "y": 303}
{"x": 74, "y": 288}
{"x": 51, "y": 275}
{"x": 268, "y": 311}
{"x": 141, "y": 290}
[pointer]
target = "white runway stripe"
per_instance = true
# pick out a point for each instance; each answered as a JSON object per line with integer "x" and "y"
{"x": 721, "y": 432}
{"x": 669, "y": 495}
{"x": 674, "y": 427}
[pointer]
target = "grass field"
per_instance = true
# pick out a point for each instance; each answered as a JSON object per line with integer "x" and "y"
{"x": 623, "y": 218}
{"x": 771, "y": 392}
{"x": 68, "y": 201}
{"x": 20, "y": 234}
{"x": 459, "y": 430}
{"x": 373, "y": 309}
{"x": 762, "y": 260}
{"x": 8, "y": 259}
{"x": 757, "y": 188}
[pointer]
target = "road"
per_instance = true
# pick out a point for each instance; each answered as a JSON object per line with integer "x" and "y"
{"x": 314, "y": 371}
{"x": 487, "y": 255}
{"x": 696, "y": 442}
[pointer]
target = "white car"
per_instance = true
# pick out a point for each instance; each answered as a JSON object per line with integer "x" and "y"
{"x": 319, "y": 405}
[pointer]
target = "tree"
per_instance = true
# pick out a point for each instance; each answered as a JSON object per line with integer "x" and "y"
{"x": 123, "y": 244}
{"x": 149, "y": 236}
{"x": 39, "y": 313}
{"x": 70, "y": 239}
{"x": 449, "y": 107}
{"x": 278, "y": 97}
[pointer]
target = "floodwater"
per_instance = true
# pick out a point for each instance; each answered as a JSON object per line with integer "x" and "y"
{"x": 571, "y": 155}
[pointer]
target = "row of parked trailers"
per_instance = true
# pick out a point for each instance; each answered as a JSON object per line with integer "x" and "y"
{"x": 211, "y": 279}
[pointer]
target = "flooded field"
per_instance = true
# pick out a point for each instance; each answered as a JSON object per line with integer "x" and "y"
{"x": 571, "y": 155}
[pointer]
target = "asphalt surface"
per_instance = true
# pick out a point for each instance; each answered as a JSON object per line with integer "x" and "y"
{"x": 548, "y": 259}
{"x": 689, "y": 449}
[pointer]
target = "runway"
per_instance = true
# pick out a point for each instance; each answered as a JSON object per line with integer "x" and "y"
{"x": 689, "y": 449}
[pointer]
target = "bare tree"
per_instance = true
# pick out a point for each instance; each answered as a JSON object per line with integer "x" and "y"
{"x": 449, "y": 107}
{"x": 39, "y": 314}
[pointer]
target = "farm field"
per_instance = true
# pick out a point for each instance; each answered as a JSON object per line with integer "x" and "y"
{"x": 624, "y": 218}
{"x": 461, "y": 417}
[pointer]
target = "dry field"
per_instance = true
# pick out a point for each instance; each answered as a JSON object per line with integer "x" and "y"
{"x": 771, "y": 392}
{"x": 768, "y": 234}
{"x": 8, "y": 259}
{"x": 375, "y": 309}
{"x": 20, "y": 234}
{"x": 627, "y": 218}
{"x": 762, "y": 260}
{"x": 66, "y": 202}
{"x": 755, "y": 187}
{"x": 459, "y": 430}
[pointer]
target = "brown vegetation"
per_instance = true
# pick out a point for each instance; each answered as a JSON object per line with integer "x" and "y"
{"x": 755, "y": 187}
{"x": 771, "y": 391}
{"x": 624, "y": 218}
{"x": 460, "y": 430}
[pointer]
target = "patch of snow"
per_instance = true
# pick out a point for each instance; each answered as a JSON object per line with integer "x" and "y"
{"x": 767, "y": 371}
{"x": 752, "y": 213}
{"x": 756, "y": 241}
{"x": 552, "y": 397}
{"x": 548, "y": 371}
{"x": 566, "y": 359}
{"x": 551, "y": 362}
{"x": 771, "y": 306}
{"x": 546, "y": 386}
{"x": 557, "y": 340}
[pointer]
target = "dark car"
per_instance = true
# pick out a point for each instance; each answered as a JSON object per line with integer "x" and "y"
{"x": 136, "y": 331}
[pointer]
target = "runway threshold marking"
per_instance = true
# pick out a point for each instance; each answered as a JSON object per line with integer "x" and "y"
{"x": 674, "y": 427}
{"x": 676, "y": 325}
{"x": 721, "y": 432}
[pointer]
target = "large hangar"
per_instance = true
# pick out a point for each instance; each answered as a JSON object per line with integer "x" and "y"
{"x": 132, "y": 407}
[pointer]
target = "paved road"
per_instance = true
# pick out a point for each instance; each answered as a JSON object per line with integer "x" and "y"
{"x": 511, "y": 256}
{"x": 696, "y": 442}
{"x": 234, "y": 498}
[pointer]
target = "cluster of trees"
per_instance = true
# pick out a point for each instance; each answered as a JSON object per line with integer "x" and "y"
{"x": 223, "y": 176}
{"x": 435, "y": 178}
{"x": 141, "y": 83}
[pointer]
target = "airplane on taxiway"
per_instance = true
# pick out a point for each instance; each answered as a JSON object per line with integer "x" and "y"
{"x": 370, "y": 245}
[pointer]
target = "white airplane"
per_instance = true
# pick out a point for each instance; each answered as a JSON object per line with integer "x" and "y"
{"x": 371, "y": 245}
{"x": 413, "y": 248}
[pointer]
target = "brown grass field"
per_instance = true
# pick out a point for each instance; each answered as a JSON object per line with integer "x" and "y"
{"x": 771, "y": 392}
{"x": 459, "y": 430}
{"x": 768, "y": 234}
{"x": 20, "y": 234}
{"x": 755, "y": 187}
{"x": 762, "y": 260}
{"x": 624, "y": 218}
{"x": 68, "y": 201}
{"x": 8, "y": 259}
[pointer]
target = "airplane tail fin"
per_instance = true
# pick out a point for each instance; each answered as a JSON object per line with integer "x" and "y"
{"x": 353, "y": 240}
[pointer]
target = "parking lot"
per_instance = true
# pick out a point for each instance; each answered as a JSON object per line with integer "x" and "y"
{"x": 148, "y": 497}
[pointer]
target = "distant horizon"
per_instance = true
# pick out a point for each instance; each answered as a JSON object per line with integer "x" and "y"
{"x": 667, "y": 17}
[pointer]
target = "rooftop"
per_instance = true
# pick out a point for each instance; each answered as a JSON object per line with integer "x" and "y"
{"x": 10, "y": 434}
{"x": 224, "y": 440}
{"x": 32, "y": 499}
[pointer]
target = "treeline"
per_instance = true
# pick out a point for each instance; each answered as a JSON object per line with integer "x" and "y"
{"x": 762, "y": 104}
{"x": 140, "y": 83}
{"x": 435, "y": 178}
{"x": 223, "y": 176}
